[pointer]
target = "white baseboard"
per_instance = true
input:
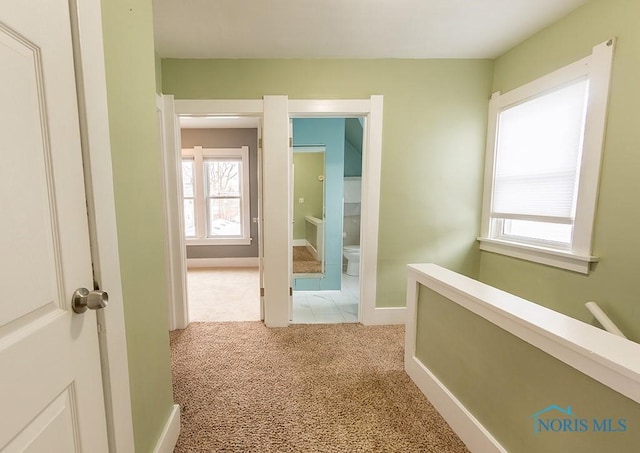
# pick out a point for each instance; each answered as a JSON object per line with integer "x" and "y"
{"x": 169, "y": 436}
{"x": 466, "y": 426}
{"x": 300, "y": 243}
{"x": 222, "y": 262}
{"x": 385, "y": 316}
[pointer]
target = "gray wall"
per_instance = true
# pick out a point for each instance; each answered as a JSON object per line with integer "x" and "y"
{"x": 228, "y": 138}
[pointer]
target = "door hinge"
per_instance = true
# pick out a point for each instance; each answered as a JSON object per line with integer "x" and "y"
{"x": 260, "y": 143}
{"x": 261, "y": 292}
{"x": 290, "y": 291}
{"x": 290, "y": 142}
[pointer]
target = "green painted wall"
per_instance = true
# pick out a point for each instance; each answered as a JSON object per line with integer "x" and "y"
{"x": 503, "y": 380}
{"x": 614, "y": 281}
{"x": 129, "y": 58}
{"x": 308, "y": 166}
{"x": 433, "y": 143}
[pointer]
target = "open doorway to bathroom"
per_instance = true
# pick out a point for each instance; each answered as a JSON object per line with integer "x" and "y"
{"x": 326, "y": 201}
{"x": 220, "y": 194}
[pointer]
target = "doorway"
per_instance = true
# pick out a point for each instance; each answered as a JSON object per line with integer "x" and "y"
{"x": 327, "y": 157}
{"x": 219, "y": 187}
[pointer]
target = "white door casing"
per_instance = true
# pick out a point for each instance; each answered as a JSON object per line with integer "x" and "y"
{"x": 50, "y": 383}
{"x": 258, "y": 220}
{"x": 174, "y": 221}
{"x": 277, "y": 211}
{"x": 371, "y": 110}
{"x": 291, "y": 218}
{"x": 275, "y": 111}
{"x": 178, "y": 308}
{"x": 166, "y": 197}
{"x": 86, "y": 17}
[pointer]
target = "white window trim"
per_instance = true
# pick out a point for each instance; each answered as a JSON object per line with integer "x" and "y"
{"x": 198, "y": 153}
{"x": 597, "y": 67}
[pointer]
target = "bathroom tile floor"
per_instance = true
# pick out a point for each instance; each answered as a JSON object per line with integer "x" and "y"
{"x": 328, "y": 307}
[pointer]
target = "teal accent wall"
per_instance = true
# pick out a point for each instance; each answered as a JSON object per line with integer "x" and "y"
{"x": 503, "y": 381}
{"x": 352, "y": 160}
{"x": 329, "y": 132}
{"x": 613, "y": 282}
{"x": 435, "y": 121}
{"x": 136, "y": 160}
{"x": 353, "y": 147}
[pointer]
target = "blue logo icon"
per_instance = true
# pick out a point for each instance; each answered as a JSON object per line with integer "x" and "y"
{"x": 556, "y": 419}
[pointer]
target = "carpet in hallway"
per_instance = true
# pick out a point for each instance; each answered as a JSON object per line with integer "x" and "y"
{"x": 305, "y": 388}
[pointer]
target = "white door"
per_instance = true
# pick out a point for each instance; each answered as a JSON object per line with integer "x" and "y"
{"x": 51, "y": 396}
{"x": 174, "y": 220}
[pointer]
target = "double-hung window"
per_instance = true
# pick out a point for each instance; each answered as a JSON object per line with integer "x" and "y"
{"x": 544, "y": 149}
{"x": 215, "y": 189}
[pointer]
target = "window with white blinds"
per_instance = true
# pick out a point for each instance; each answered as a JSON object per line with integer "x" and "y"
{"x": 538, "y": 156}
{"x": 543, "y": 157}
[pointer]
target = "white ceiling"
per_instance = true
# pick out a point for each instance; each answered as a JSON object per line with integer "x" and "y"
{"x": 349, "y": 28}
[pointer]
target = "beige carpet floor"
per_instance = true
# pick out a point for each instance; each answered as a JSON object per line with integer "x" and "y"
{"x": 304, "y": 262}
{"x": 305, "y": 388}
{"x": 223, "y": 294}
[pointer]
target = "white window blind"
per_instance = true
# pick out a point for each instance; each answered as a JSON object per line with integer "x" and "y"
{"x": 538, "y": 154}
{"x": 544, "y": 147}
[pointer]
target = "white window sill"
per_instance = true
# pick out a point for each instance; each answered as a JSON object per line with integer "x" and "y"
{"x": 219, "y": 241}
{"x": 542, "y": 255}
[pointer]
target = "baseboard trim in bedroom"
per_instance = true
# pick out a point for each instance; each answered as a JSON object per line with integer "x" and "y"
{"x": 193, "y": 263}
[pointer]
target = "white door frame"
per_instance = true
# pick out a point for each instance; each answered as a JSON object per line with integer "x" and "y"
{"x": 371, "y": 110}
{"x": 94, "y": 125}
{"x": 276, "y": 172}
{"x": 276, "y": 111}
{"x": 176, "y": 254}
{"x": 178, "y": 302}
{"x": 258, "y": 221}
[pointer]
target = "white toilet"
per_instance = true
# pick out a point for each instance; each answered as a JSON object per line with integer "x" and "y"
{"x": 352, "y": 255}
